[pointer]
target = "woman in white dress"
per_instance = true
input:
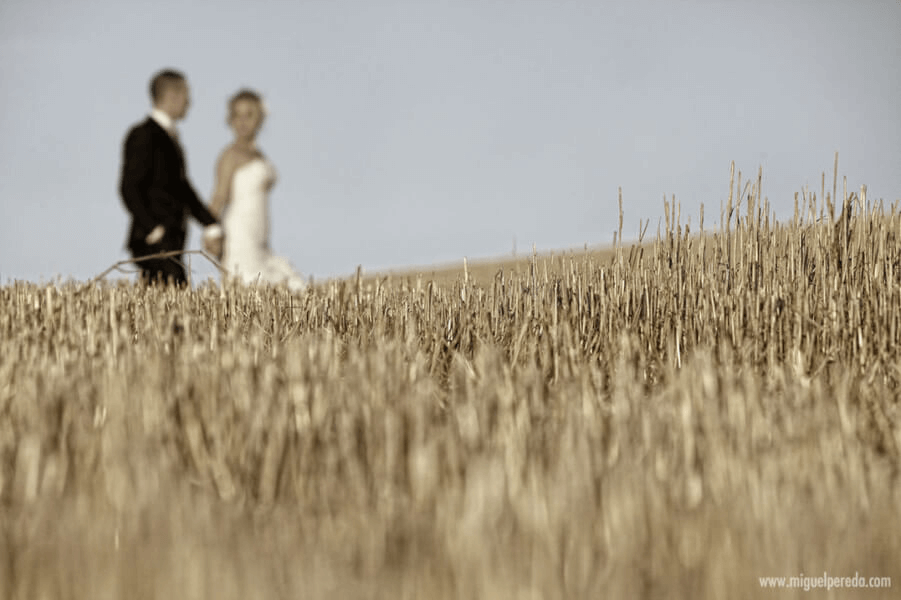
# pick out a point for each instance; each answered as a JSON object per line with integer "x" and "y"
{"x": 241, "y": 200}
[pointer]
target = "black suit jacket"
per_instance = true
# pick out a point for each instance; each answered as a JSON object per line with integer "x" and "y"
{"x": 155, "y": 189}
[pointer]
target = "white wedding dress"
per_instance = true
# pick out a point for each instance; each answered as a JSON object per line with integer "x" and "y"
{"x": 246, "y": 254}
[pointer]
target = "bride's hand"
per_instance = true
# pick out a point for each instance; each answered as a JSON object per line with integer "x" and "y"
{"x": 214, "y": 247}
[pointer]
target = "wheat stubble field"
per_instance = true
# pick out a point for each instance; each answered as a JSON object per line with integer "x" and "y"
{"x": 670, "y": 420}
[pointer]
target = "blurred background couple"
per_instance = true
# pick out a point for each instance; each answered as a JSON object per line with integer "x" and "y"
{"x": 156, "y": 191}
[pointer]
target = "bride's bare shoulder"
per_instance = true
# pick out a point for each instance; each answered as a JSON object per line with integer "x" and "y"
{"x": 232, "y": 158}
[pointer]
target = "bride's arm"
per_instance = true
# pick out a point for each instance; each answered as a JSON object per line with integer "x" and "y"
{"x": 225, "y": 168}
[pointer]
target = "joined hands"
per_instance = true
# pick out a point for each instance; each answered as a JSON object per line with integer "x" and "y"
{"x": 212, "y": 238}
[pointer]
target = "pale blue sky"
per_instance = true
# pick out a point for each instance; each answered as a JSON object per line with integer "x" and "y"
{"x": 408, "y": 133}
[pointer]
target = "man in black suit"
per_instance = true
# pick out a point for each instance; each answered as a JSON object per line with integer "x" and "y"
{"x": 155, "y": 186}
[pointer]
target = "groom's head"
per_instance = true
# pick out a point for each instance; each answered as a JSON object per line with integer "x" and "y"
{"x": 169, "y": 92}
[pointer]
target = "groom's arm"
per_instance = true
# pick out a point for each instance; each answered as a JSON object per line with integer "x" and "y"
{"x": 196, "y": 206}
{"x": 212, "y": 229}
{"x": 192, "y": 200}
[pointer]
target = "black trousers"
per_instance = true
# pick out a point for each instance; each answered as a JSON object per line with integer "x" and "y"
{"x": 163, "y": 270}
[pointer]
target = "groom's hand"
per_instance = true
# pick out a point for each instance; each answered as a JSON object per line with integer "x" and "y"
{"x": 213, "y": 246}
{"x": 212, "y": 240}
{"x": 155, "y": 235}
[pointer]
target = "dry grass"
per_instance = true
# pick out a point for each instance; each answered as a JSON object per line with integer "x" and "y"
{"x": 671, "y": 421}
{"x": 483, "y": 270}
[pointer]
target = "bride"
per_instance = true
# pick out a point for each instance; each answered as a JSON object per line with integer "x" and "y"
{"x": 241, "y": 200}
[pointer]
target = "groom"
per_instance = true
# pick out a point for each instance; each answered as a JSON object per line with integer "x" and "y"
{"x": 155, "y": 187}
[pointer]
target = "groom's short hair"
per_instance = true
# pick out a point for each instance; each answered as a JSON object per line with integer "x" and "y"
{"x": 163, "y": 80}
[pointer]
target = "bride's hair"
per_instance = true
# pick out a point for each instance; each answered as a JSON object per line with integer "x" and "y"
{"x": 245, "y": 94}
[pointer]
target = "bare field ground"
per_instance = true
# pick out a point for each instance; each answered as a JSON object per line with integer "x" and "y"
{"x": 483, "y": 270}
{"x": 677, "y": 420}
